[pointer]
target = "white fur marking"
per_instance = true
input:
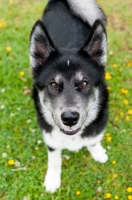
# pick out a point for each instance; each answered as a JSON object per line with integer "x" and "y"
{"x": 103, "y": 47}
{"x": 46, "y": 109}
{"x": 58, "y": 77}
{"x": 92, "y": 109}
{"x": 53, "y": 176}
{"x": 37, "y": 31}
{"x": 88, "y": 10}
{"x": 68, "y": 62}
{"x": 79, "y": 76}
{"x": 59, "y": 140}
{"x": 98, "y": 153}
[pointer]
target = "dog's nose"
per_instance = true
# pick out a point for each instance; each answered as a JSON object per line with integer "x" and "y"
{"x": 70, "y": 118}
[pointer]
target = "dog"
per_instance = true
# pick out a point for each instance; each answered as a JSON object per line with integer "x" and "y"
{"x": 68, "y": 48}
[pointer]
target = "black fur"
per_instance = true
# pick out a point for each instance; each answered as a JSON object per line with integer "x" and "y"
{"x": 66, "y": 30}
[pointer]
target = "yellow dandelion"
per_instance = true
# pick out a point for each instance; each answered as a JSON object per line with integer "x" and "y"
{"x": 11, "y": 162}
{"x": 126, "y": 102}
{"x": 4, "y": 22}
{"x": 109, "y": 138}
{"x": 1, "y": 25}
{"x": 108, "y": 76}
{"x": 78, "y": 192}
{"x": 130, "y": 112}
{"x": 127, "y": 118}
{"x": 21, "y": 73}
{"x": 129, "y": 64}
{"x": 108, "y": 88}
{"x": 116, "y": 119}
{"x": 114, "y": 65}
{"x": 98, "y": 181}
{"x": 129, "y": 197}
{"x": 114, "y": 175}
{"x": 10, "y": 1}
{"x": 116, "y": 197}
{"x": 107, "y": 134}
{"x": 129, "y": 189}
{"x": 8, "y": 49}
{"x": 124, "y": 91}
{"x": 108, "y": 195}
{"x": 121, "y": 113}
{"x": 113, "y": 162}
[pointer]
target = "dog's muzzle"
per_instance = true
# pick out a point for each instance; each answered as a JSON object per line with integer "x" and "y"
{"x": 70, "y": 119}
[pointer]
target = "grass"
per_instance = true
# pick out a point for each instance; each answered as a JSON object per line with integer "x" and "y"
{"x": 82, "y": 177}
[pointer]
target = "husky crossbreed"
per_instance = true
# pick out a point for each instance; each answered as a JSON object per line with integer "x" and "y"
{"x": 68, "y": 57}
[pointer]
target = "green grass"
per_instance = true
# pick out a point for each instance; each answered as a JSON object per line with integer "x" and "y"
{"x": 19, "y": 132}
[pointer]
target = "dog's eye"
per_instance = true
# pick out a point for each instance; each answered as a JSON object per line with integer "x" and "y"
{"x": 84, "y": 84}
{"x": 54, "y": 85}
{"x": 81, "y": 85}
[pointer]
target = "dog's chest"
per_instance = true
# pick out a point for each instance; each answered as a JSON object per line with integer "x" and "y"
{"x": 59, "y": 140}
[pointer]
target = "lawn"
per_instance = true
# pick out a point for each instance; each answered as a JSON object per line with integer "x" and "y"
{"x": 23, "y": 156}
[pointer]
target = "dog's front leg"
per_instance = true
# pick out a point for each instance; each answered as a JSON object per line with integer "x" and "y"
{"x": 98, "y": 153}
{"x": 53, "y": 176}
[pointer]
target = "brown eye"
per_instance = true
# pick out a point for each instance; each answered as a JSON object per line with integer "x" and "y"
{"x": 84, "y": 84}
{"x": 54, "y": 85}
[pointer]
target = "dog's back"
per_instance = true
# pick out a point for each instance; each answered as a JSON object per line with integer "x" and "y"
{"x": 69, "y": 22}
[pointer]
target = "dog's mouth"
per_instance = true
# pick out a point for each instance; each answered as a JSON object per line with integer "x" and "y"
{"x": 70, "y": 132}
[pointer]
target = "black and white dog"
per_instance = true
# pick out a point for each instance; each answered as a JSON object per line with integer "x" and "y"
{"x": 68, "y": 58}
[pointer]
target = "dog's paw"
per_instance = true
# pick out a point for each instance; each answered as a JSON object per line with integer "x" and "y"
{"x": 100, "y": 157}
{"x": 52, "y": 182}
{"x": 98, "y": 153}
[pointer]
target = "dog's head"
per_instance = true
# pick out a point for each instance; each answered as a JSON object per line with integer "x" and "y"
{"x": 69, "y": 82}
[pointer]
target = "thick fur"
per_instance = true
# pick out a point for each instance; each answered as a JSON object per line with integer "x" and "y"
{"x": 68, "y": 58}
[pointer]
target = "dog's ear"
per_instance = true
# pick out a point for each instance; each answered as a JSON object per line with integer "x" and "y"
{"x": 96, "y": 45}
{"x": 41, "y": 45}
